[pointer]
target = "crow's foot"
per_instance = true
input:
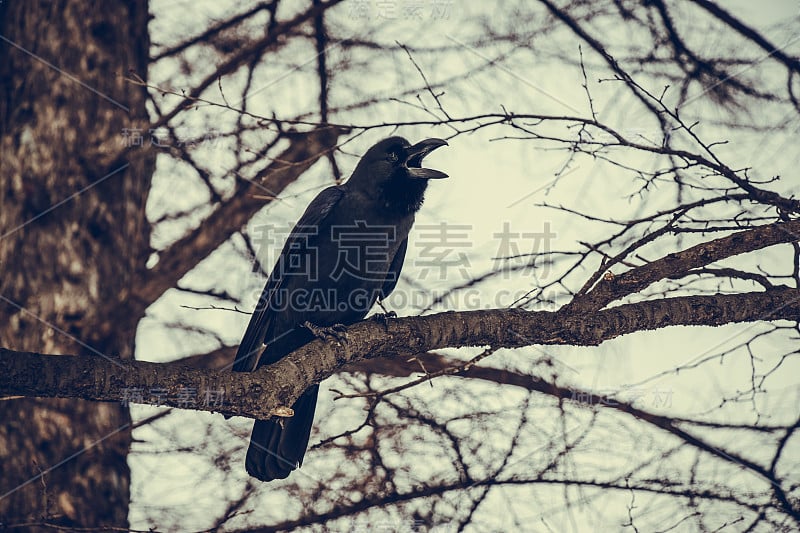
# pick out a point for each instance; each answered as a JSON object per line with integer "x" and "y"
{"x": 337, "y": 332}
{"x": 384, "y": 317}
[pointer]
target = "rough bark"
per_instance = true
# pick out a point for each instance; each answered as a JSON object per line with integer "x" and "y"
{"x": 270, "y": 390}
{"x": 73, "y": 236}
{"x": 678, "y": 264}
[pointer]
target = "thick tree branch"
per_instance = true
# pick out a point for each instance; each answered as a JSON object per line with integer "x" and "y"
{"x": 672, "y": 265}
{"x": 266, "y": 392}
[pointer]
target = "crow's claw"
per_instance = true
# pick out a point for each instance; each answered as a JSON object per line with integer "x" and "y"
{"x": 337, "y": 332}
{"x": 384, "y": 317}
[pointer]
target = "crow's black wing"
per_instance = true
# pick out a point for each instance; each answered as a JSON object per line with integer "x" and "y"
{"x": 393, "y": 274}
{"x": 253, "y": 341}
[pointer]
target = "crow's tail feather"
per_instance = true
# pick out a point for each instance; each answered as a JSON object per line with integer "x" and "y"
{"x": 277, "y": 446}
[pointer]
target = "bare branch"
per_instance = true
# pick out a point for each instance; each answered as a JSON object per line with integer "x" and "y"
{"x": 303, "y": 151}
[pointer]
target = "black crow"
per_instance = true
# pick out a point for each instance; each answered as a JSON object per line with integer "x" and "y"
{"x": 345, "y": 252}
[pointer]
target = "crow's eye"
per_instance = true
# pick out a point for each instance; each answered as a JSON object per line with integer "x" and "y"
{"x": 393, "y": 157}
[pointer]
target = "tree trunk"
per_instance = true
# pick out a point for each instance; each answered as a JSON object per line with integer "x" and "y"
{"x": 73, "y": 239}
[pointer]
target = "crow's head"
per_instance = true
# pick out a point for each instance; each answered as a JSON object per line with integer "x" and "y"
{"x": 395, "y": 158}
{"x": 391, "y": 174}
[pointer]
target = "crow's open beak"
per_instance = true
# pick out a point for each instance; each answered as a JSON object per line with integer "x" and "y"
{"x": 415, "y": 154}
